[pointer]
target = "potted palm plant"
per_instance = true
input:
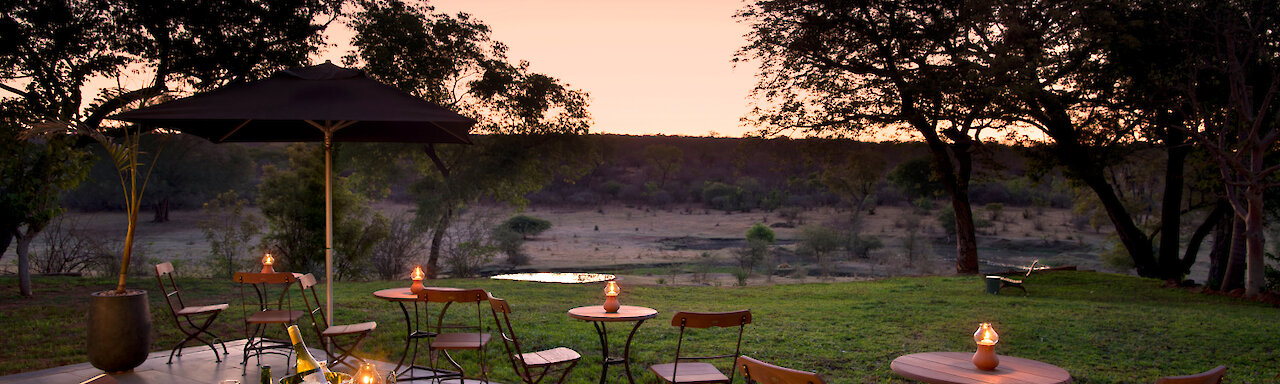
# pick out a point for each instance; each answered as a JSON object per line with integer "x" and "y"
{"x": 120, "y": 319}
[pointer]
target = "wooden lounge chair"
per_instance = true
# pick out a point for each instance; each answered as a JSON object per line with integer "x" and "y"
{"x": 1006, "y": 282}
{"x": 181, "y": 312}
{"x": 1212, "y": 376}
{"x": 678, "y": 372}
{"x": 527, "y": 364}
{"x": 329, "y": 334}
{"x": 453, "y": 341}
{"x": 756, "y": 371}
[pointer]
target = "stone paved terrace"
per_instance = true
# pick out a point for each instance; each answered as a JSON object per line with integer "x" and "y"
{"x": 197, "y": 365}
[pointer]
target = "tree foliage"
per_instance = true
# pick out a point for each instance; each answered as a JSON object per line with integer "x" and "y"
{"x": 526, "y": 225}
{"x": 532, "y": 119}
{"x": 292, "y": 202}
{"x": 50, "y": 50}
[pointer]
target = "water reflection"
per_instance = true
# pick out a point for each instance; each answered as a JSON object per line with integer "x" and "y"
{"x": 563, "y": 278}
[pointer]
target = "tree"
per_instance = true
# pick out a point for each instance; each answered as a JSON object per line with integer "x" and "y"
{"x": 665, "y": 160}
{"x": 854, "y": 178}
{"x": 534, "y": 121}
{"x": 819, "y": 242}
{"x": 526, "y": 225}
{"x": 1239, "y": 128}
{"x": 292, "y": 202}
{"x": 871, "y": 65}
{"x": 915, "y": 178}
{"x": 33, "y": 176}
{"x": 49, "y": 50}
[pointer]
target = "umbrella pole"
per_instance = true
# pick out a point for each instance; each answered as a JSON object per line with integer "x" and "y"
{"x": 328, "y": 227}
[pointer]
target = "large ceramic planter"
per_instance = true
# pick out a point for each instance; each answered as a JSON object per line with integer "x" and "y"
{"x": 119, "y": 330}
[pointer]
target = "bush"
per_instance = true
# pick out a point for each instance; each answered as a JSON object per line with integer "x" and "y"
{"x": 526, "y": 225}
{"x": 404, "y": 243}
{"x": 761, "y": 232}
{"x": 511, "y": 244}
{"x": 863, "y": 245}
{"x": 66, "y": 249}
{"x": 228, "y": 229}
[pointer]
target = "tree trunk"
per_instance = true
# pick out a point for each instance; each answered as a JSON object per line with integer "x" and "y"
{"x": 1193, "y": 243}
{"x": 24, "y": 261}
{"x": 955, "y": 165}
{"x": 1220, "y": 254}
{"x": 162, "y": 211}
{"x": 1171, "y": 206}
{"x": 1255, "y": 277}
{"x": 437, "y": 241}
{"x": 1132, "y": 237}
{"x": 1078, "y": 159}
{"x": 1234, "y": 277}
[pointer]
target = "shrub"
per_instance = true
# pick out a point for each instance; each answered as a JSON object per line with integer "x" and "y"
{"x": 404, "y": 243}
{"x": 994, "y": 211}
{"x": 863, "y": 245}
{"x": 228, "y": 229}
{"x": 526, "y": 225}
{"x": 761, "y": 232}
{"x": 66, "y": 248}
{"x": 511, "y": 244}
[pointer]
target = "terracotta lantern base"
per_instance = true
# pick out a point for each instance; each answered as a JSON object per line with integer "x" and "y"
{"x": 611, "y": 304}
{"x": 985, "y": 359}
{"x": 268, "y": 269}
{"x": 417, "y": 287}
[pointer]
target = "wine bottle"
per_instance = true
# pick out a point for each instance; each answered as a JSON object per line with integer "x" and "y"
{"x": 310, "y": 371}
{"x": 265, "y": 376}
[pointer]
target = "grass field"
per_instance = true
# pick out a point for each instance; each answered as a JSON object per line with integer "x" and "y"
{"x": 1102, "y": 328}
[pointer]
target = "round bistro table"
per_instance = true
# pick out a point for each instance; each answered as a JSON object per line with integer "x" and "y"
{"x": 414, "y": 330}
{"x": 598, "y": 317}
{"x": 957, "y": 368}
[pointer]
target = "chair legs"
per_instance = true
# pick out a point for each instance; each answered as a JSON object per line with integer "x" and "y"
{"x": 348, "y": 352}
{"x": 461, "y": 375}
{"x": 194, "y": 334}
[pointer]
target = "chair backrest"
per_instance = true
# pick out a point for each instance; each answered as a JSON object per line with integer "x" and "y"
{"x": 451, "y": 296}
{"x": 261, "y": 283}
{"x": 707, "y": 320}
{"x": 436, "y": 295}
{"x": 509, "y": 340}
{"x": 1212, "y": 376}
{"x": 307, "y": 284}
{"x": 1031, "y": 268}
{"x": 171, "y": 293}
{"x": 756, "y": 371}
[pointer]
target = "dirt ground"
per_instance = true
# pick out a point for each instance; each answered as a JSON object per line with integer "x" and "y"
{"x": 664, "y": 245}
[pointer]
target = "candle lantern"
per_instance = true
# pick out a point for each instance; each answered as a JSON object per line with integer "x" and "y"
{"x": 611, "y": 291}
{"x": 368, "y": 374}
{"x": 986, "y": 338}
{"x": 417, "y": 287}
{"x": 267, "y": 263}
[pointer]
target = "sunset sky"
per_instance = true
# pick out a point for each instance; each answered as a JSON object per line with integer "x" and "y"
{"x": 652, "y": 67}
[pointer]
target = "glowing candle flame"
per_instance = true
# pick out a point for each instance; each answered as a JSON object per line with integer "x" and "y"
{"x": 368, "y": 374}
{"x": 417, "y": 273}
{"x": 611, "y": 289}
{"x": 268, "y": 260}
{"x": 985, "y": 335}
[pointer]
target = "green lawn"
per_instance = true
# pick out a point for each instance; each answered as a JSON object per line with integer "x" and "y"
{"x": 1102, "y": 328}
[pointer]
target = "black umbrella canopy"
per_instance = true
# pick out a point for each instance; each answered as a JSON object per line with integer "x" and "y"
{"x": 284, "y": 107}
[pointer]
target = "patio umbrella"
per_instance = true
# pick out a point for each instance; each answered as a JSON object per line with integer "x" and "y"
{"x": 325, "y": 103}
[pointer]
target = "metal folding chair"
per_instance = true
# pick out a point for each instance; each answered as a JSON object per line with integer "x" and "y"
{"x": 453, "y": 341}
{"x": 262, "y": 313}
{"x": 756, "y": 371}
{"x": 678, "y": 372}
{"x": 543, "y": 362}
{"x": 182, "y": 312}
{"x": 328, "y": 334}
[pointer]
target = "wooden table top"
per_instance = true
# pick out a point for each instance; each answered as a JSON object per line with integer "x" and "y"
{"x": 957, "y": 368}
{"x": 625, "y": 313}
{"x": 403, "y": 293}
